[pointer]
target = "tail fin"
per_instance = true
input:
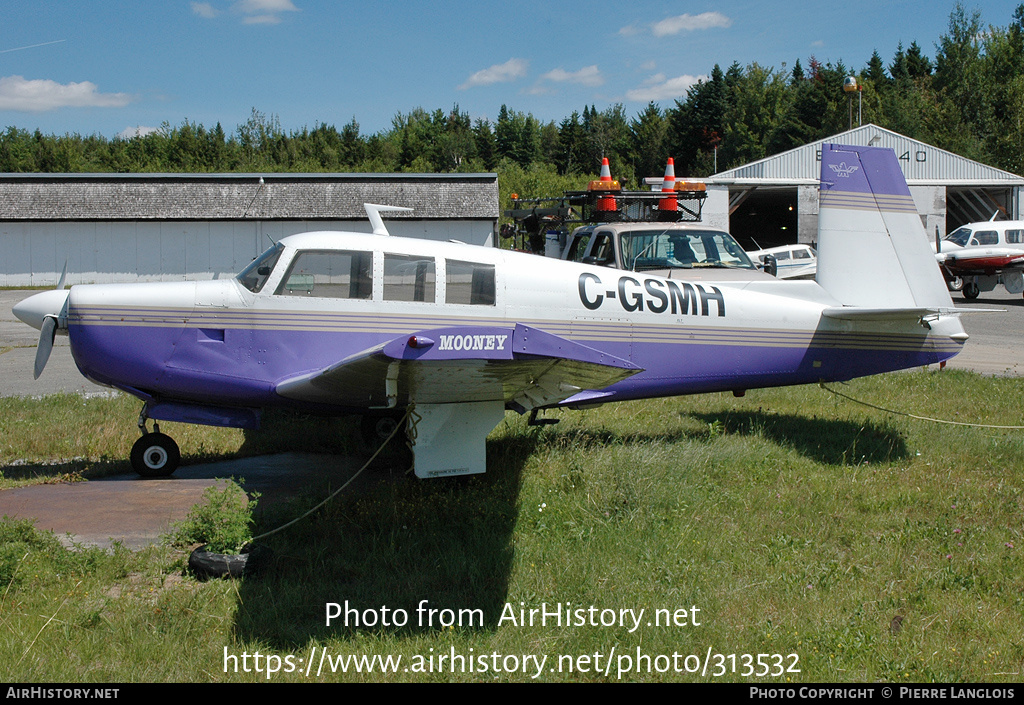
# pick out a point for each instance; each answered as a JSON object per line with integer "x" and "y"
{"x": 872, "y": 248}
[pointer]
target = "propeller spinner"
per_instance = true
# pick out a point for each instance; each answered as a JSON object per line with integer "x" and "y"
{"x": 46, "y": 311}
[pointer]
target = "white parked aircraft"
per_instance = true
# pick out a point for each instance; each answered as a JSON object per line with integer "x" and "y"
{"x": 373, "y": 325}
{"x": 791, "y": 261}
{"x": 978, "y": 256}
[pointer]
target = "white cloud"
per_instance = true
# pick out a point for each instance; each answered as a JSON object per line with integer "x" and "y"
{"x": 41, "y": 95}
{"x": 262, "y": 19}
{"x": 499, "y": 73}
{"x": 263, "y": 11}
{"x": 658, "y": 87}
{"x": 587, "y": 76}
{"x": 204, "y": 10}
{"x": 137, "y": 131}
{"x": 689, "y": 23}
{"x": 263, "y": 6}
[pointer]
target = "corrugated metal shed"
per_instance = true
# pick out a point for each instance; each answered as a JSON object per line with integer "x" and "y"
{"x": 170, "y": 227}
{"x": 922, "y": 163}
{"x": 114, "y": 197}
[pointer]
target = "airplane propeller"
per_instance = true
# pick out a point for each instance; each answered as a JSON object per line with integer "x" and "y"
{"x": 46, "y": 311}
{"x": 47, "y": 334}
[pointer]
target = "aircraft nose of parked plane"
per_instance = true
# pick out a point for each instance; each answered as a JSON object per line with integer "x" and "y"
{"x": 35, "y": 308}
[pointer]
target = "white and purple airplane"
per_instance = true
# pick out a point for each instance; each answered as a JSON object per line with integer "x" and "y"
{"x": 355, "y": 323}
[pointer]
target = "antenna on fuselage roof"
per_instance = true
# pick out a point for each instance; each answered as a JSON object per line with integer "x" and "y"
{"x": 373, "y": 213}
{"x": 259, "y": 187}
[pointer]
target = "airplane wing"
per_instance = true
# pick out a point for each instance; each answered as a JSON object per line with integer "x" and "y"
{"x": 522, "y": 366}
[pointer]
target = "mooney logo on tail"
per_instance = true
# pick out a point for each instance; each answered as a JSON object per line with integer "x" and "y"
{"x": 842, "y": 170}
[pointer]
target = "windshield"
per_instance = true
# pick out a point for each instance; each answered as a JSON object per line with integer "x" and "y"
{"x": 960, "y": 236}
{"x": 256, "y": 274}
{"x": 663, "y": 249}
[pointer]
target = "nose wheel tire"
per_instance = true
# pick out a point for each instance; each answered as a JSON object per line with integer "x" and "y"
{"x": 155, "y": 455}
{"x": 971, "y": 291}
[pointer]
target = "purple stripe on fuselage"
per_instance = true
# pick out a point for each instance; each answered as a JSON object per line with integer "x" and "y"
{"x": 244, "y": 368}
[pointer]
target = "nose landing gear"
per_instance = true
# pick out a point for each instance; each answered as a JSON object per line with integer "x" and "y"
{"x": 155, "y": 454}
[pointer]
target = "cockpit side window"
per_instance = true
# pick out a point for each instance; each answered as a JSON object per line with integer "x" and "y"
{"x": 256, "y": 274}
{"x": 960, "y": 236}
{"x": 336, "y": 274}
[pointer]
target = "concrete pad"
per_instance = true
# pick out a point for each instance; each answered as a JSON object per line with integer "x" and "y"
{"x": 137, "y": 511}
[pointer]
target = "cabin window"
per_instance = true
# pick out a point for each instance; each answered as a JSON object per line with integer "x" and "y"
{"x": 408, "y": 278}
{"x": 256, "y": 274}
{"x": 335, "y": 274}
{"x": 469, "y": 283}
{"x": 1015, "y": 237}
{"x": 801, "y": 254}
{"x": 577, "y": 247}
{"x": 602, "y": 251}
{"x": 986, "y": 237}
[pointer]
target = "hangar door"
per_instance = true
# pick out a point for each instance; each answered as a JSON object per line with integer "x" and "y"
{"x": 762, "y": 217}
{"x": 976, "y": 204}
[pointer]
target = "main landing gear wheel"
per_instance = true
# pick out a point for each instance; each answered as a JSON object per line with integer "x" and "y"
{"x": 155, "y": 455}
{"x": 971, "y": 291}
{"x": 376, "y": 428}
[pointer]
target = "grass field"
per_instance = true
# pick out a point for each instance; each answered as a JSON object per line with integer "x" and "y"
{"x": 842, "y": 543}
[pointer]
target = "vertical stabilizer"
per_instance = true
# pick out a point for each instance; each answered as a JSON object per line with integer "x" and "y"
{"x": 872, "y": 248}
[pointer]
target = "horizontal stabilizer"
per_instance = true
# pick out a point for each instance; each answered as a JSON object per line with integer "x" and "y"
{"x": 857, "y": 313}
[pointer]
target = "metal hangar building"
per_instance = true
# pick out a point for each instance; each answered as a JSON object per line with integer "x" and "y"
{"x": 173, "y": 227}
{"x": 774, "y": 201}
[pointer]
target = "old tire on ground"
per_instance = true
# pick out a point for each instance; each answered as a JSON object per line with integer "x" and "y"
{"x": 207, "y": 564}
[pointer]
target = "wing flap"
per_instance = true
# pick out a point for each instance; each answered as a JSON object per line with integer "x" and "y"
{"x": 522, "y": 366}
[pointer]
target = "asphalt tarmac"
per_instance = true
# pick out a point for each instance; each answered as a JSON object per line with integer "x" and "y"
{"x": 135, "y": 511}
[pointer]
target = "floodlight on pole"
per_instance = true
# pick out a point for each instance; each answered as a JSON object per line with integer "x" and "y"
{"x": 851, "y": 86}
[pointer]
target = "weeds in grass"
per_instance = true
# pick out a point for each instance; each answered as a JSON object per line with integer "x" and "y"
{"x": 222, "y": 520}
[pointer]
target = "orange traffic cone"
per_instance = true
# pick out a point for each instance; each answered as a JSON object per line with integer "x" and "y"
{"x": 606, "y": 202}
{"x": 669, "y": 203}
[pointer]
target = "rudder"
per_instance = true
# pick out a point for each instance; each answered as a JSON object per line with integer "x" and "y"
{"x": 872, "y": 247}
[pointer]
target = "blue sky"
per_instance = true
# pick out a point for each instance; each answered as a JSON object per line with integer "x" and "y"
{"x": 104, "y": 67}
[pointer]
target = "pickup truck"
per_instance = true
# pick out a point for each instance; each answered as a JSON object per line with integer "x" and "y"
{"x": 682, "y": 250}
